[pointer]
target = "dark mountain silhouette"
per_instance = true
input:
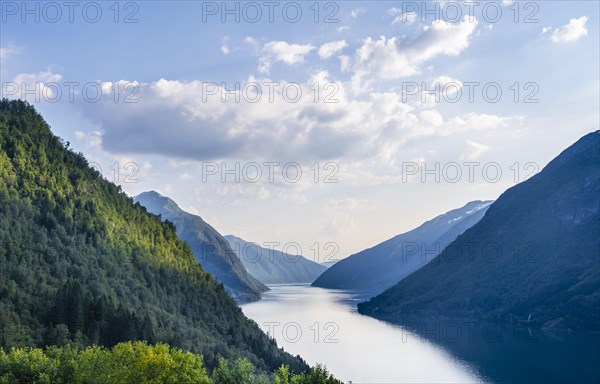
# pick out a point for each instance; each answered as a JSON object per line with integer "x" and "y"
{"x": 533, "y": 259}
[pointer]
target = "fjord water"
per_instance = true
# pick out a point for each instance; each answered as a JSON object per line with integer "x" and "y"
{"x": 323, "y": 326}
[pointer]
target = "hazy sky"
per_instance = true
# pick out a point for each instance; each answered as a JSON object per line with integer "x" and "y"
{"x": 172, "y": 94}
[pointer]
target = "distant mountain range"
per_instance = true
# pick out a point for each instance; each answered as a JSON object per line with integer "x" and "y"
{"x": 210, "y": 249}
{"x": 533, "y": 259}
{"x": 378, "y": 268}
{"x": 271, "y": 266}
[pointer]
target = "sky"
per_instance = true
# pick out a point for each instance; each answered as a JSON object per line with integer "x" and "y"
{"x": 326, "y": 127}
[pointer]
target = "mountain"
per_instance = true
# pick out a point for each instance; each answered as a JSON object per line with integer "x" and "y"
{"x": 375, "y": 269}
{"x": 271, "y": 266}
{"x": 210, "y": 249}
{"x": 81, "y": 264}
{"x": 534, "y": 258}
{"x": 329, "y": 264}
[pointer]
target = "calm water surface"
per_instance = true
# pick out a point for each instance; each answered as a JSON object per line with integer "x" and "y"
{"x": 322, "y": 326}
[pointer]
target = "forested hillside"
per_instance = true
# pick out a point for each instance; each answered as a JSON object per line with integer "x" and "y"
{"x": 210, "y": 249}
{"x": 81, "y": 263}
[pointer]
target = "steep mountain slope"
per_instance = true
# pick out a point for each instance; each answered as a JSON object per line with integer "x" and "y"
{"x": 377, "y": 268}
{"x": 210, "y": 249}
{"x": 81, "y": 263}
{"x": 533, "y": 258}
{"x": 271, "y": 266}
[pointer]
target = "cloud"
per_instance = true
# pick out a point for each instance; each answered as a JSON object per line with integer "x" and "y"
{"x": 91, "y": 139}
{"x": 446, "y": 86}
{"x": 282, "y": 51}
{"x": 338, "y": 215}
{"x": 8, "y": 51}
{"x": 400, "y": 17}
{"x": 43, "y": 77}
{"x": 33, "y": 87}
{"x": 329, "y": 49}
{"x": 347, "y": 203}
{"x": 252, "y": 41}
{"x": 407, "y": 18}
{"x": 572, "y": 31}
{"x": 445, "y": 81}
{"x": 395, "y": 58}
{"x": 394, "y": 11}
{"x": 208, "y": 128}
{"x": 243, "y": 192}
{"x": 356, "y": 12}
{"x": 475, "y": 150}
{"x": 477, "y": 122}
{"x": 224, "y": 47}
{"x": 345, "y": 65}
{"x": 183, "y": 120}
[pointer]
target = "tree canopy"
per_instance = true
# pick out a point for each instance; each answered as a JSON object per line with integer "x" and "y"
{"x": 81, "y": 264}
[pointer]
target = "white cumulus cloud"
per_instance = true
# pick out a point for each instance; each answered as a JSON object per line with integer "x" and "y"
{"x": 329, "y": 49}
{"x": 572, "y": 31}
{"x": 392, "y": 58}
{"x": 214, "y": 125}
{"x": 33, "y": 87}
{"x": 283, "y": 51}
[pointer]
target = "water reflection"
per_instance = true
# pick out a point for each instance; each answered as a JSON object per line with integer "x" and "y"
{"x": 323, "y": 326}
{"x": 517, "y": 355}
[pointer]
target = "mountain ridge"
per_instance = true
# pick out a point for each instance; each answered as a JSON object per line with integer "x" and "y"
{"x": 374, "y": 269}
{"x": 534, "y": 258}
{"x": 209, "y": 247}
{"x": 271, "y": 266}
